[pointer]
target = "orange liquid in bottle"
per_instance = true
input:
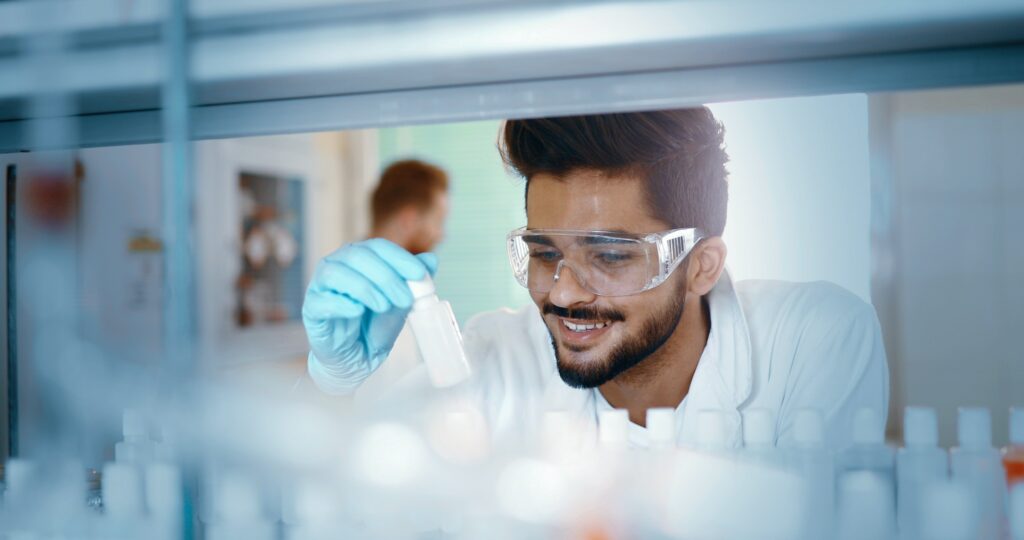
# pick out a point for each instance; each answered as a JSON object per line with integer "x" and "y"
{"x": 1013, "y": 461}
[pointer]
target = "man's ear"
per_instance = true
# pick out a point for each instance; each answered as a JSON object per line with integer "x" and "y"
{"x": 408, "y": 218}
{"x": 707, "y": 262}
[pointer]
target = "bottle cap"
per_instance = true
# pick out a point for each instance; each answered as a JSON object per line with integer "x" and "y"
{"x": 422, "y": 288}
{"x": 133, "y": 425}
{"x": 758, "y": 428}
{"x": 868, "y": 427}
{"x": 613, "y": 427}
{"x": 809, "y": 428}
{"x": 712, "y": 425}
{"x": 974, "y": 427}
{"x": 1017, "y": 426}
{"x": 947, "y": 511}
{"x": 661, "y": 427}
{"x": 920, "y": 427}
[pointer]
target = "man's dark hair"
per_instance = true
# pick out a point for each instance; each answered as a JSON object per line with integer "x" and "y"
{"x": 404, "y": 183}
{"x": 680, "y": 154}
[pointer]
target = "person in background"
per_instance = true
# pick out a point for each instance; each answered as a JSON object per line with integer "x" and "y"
{"x": 410, "y": 205}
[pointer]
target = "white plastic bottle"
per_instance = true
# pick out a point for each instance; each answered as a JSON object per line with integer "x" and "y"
{"x": 1013, "y": 454}
{"x": 123, "y": 502}
{"x": 759, "y": 437}
{"x": 918, "y": 464}
{"x": 814, "y": 463}
{"x": 712, "y": 431}
{"x": 164, "y": 501}
{"x": 613, "y": 429}
{"x": 979, "y": 466}
{"x": 946, "y": 512}
{"x": 1017, "y": 512}
{"x": 866, "y": 508}
{"x": 238, "y": 510}
{"x": 437, "y": 335}
{"x": 651, "y": 482}
{"x": 661, "y": 427}
{"x": 868, "y": 451}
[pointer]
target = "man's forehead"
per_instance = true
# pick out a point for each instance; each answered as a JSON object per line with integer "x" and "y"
{"x": 589, "y": 201}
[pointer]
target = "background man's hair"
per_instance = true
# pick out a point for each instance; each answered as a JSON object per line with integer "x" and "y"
{"x": 679, "y": 154}
{"x": 405, "y": 183}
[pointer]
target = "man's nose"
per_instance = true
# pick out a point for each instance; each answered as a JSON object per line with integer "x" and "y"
{"x": 567, "y": 291}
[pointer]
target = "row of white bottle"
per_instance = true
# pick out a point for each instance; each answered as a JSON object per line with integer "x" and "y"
{"x": 44, "y": 500}
{"x": 141, "y": 493}
{"x": 869, "y": 489}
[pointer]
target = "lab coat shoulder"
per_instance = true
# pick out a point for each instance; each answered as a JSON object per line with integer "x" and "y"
{"x": 817, "y": 346}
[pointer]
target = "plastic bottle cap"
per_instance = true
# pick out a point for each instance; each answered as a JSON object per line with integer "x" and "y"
{"x": 947, "y": 512}
{"x": 868, "y": 427}
{"x": 133, "y": 425}
{"x": 613, "y": 427}
{"x": 920, "y": 427}
{"x": 758, "y": 428}
{"x": 422, "y": 288}
{"x": 1017, "y": 426}
{"x": 809, "y": 428}
{"x": 661, "y": 426}
{"x": 712, "y": 425}
{"x": 974, "y": 427}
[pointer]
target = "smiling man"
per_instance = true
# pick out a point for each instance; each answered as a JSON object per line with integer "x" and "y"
{"x": 623, "y": 256}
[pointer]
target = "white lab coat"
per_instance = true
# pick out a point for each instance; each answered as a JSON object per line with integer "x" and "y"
{"x": 774, "y": 345}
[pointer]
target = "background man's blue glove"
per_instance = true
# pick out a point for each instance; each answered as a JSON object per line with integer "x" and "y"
{"x": 355, "y": 307}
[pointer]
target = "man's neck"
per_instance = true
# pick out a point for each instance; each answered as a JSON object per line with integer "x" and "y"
{"x": 663, "y": 379}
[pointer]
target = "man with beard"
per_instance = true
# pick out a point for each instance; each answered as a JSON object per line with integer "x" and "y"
{"x": 623, "y": 256}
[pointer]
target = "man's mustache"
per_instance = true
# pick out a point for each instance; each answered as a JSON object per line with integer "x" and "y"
{"x": 583, "y": 313}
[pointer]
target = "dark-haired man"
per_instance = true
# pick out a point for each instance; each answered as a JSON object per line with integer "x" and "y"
{"x": 623, "y": 257}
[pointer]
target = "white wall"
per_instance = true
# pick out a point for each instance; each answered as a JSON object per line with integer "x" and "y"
{"x": 957, "y": 168}
{"x": 799, "y": 192}
{"x": 121, "y": 291}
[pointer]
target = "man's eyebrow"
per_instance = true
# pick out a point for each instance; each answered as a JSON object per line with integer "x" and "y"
{"x": 607, "y": 240}
{"x": 537, "y": 239}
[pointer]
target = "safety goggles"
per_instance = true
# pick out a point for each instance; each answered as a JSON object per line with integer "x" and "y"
{"x": 604, "y": 263}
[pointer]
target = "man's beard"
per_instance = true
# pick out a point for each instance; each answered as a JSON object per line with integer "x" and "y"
{"x": 633, "y": 349}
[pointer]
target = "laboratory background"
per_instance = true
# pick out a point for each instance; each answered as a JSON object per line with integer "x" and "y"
{"x": 175, "y": 170}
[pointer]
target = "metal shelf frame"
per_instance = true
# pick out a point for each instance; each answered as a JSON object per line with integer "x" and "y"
{"x": 331, "y": 66}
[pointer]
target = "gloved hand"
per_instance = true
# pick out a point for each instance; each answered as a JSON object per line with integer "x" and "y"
{"x": 355, "y": 307}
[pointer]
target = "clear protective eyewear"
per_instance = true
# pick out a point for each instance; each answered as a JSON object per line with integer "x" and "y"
{"x": 604, "y": 263}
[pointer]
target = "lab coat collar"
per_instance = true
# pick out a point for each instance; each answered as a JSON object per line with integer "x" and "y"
{"x": 723, "y": 379}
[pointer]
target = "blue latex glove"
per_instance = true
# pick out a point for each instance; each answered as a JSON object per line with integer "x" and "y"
{"x": 355, "y": 307}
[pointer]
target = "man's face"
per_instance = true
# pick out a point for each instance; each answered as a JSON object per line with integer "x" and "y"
{"x": 429, "y": 228}
{"x": 639, "y": 324}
